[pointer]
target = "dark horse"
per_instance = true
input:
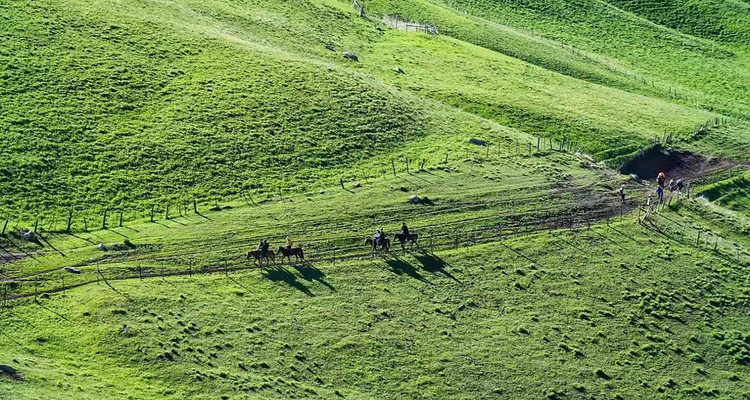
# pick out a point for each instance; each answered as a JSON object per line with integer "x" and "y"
{"x": 294, "y": 251}
{"x": 412, "y": 237}
{"x": 385, "y": 244}
{"x": 257, "y": 259}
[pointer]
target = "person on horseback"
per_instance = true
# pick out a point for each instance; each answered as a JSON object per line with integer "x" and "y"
{"x": 621, "y": 192}
{"x": 660, "y": 194}
{"x": 260, "y": 248}
{"x": 405, "y": 229}
{"x": 288, "y": 244}
{"x": 660, "y": 179}
{"x": 378, "y": 235}
{"x": 264, "y": 250}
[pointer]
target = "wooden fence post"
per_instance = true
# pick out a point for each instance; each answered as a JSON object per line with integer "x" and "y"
{"x": 195, "y": 206}
{"x": 70, "y": 220}
{"x": 166, "y": 212}
{"x": 446, "y": 158}
{"x": 516, "y": 146}
{"x": 104, "y": 220}
{"x": 538, "y": 142}
{"x": 120, "y": 218}
{"x": 5, "y": 225}
{"x": 407, "y": 164}
{"x": 698, "y": 238}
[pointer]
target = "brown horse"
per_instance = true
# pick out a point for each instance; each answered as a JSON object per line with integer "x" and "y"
{"x": 385, "y": 244}
{"x": 294, "y": 251}
{"x": 412, "y": 238}
{"x": 257, "y": 259}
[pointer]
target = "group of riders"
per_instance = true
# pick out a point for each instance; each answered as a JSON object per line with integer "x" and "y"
{"x": 379, "y": 240}
{"x": 674, "y": 185}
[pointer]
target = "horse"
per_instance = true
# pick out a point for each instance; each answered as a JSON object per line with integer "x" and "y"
{"x": 412, "y": 237}
{"x": 294, "y": 251}
{"x": 255, "y": 255}
{"x": 385, "y": 244}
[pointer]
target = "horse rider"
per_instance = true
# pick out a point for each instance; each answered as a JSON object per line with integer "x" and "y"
{"x": 378, "y": 235}
{"x": 660, "y": 179}
{"x": 660, "y": 194}
{"x": 671, "y": 185}
{"x": 260, "y": 248}
{"x": 405, "y": 230}
{"x": 264, "y": 249}
{"x": 288, "y": 244}
{"x": 621, "y": 192}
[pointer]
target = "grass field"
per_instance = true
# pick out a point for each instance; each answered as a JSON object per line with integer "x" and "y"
{"x": 531, "y": 279}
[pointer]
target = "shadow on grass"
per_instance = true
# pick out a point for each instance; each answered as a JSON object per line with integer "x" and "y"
{"x": 525, "y": 257}
{"x": 401, "y": 267}
{"x": 435, "y": 264}
{"x": 310, "y": 273}
{"x": 50, "y": 244}
{"x": 82, "y": 238}
{"x": 280, "y": 274}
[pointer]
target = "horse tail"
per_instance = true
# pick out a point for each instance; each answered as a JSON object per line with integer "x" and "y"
{"x": 301, "y": 254}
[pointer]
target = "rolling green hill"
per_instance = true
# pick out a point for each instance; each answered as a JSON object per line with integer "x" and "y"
{"x": 128, "y": 107}
{"x": 499, "y": 141}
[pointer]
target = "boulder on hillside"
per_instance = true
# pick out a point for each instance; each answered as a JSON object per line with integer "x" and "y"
{"x": 399, "y": 70}
{"x": 330, "y": 47}
{"x": 351, "y": 56}
{"x": 102, "y": 247}
{"x": 414, "y": 199}
{"x": 72, "y": 270}
{"x": 8, "y": 370}
{"x": 477, "y": 142}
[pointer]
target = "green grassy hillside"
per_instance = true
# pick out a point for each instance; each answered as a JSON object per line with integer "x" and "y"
{"x": 725, "y": 21}
{"x": 531, "y": 278}
{"x": 128, "y": 107}
{"x": 610, "y": 312}
{"x": 705, "y": 71}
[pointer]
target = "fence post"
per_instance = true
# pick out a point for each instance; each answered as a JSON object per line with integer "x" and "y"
{"x": 104, "y": 220}
{"x": 120, "y": 218}
{"x": 698, "y": 238}
{"x": 195, "y": 206}
{"x": 166, "y": 212}
{"x": 152, "y": 213}
{"x": 70, "y": 220}
{"x": 36, "y": 223}
{"x": 538, "y": 142}
{"x": 529, "y": 148}
{"x": 407, "y": 164}
{"x": 446, "y": 158}
{"x": 5, "y": 225}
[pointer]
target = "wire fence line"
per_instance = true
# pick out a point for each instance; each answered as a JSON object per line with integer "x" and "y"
{"x": 232, "y": 261}
{"x": 331, "y": 250}
{"x": 534, "y": 205}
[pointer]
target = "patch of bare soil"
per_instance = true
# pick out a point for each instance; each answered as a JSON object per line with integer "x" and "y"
{"x": 675, "y": 164}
